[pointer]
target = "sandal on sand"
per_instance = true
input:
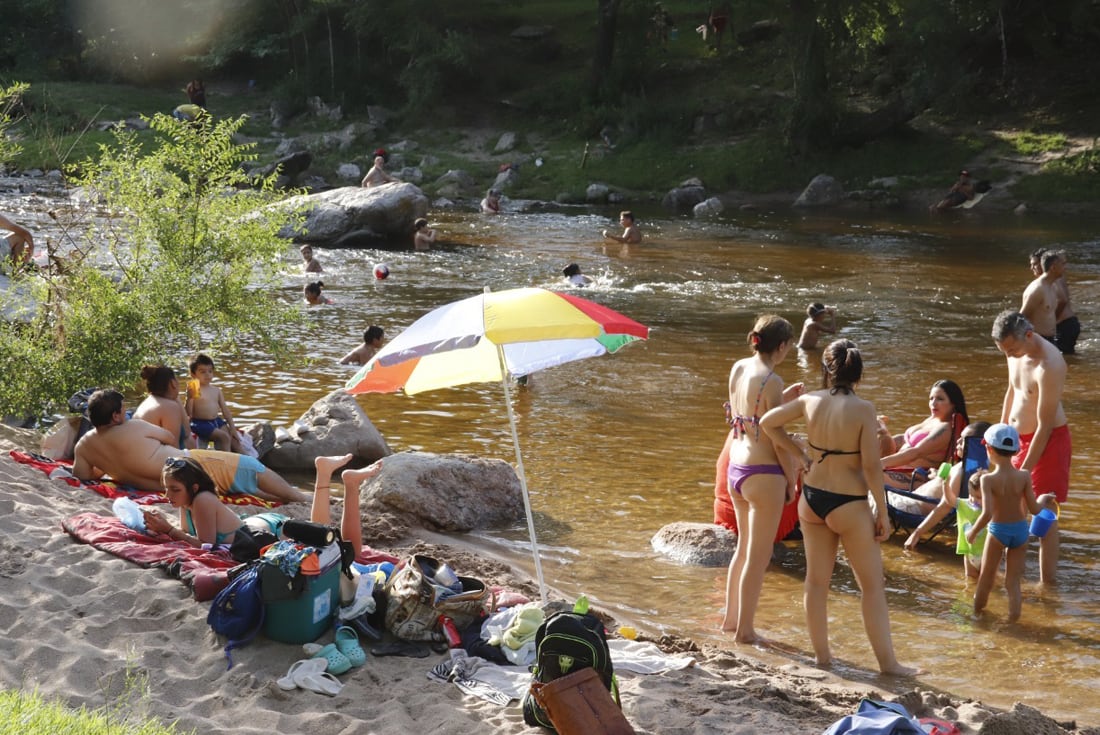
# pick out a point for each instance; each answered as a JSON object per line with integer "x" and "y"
{"x": 347, "y": 642}
{"x": 337, "y": 662}
{"x": 300, "y": 668}
{"x": 322, "y": 683}
{"x": 400, "y": 648}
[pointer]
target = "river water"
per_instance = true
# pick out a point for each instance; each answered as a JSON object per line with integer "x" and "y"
{"x": 618, "y": 446}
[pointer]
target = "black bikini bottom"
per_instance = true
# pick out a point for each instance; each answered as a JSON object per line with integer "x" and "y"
{"x": 823, "y": 502}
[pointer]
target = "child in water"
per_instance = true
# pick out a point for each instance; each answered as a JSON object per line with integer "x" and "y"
{"x": 312, "y": 293}
{"x": 573, "y": 275}
{"x": 1007, "y": 498}
{"x": 361, "y": 355}
{"x": 816, "y": 325}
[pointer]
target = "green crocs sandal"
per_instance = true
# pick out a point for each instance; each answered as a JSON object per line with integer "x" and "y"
{"x": 347, "y": 642}
{"x": 337, "y": 662}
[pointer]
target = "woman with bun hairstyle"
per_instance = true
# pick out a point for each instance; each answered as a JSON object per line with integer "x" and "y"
{"x": 842, "y": 466}
{"x": 759, "y": 481}
{"x": 162, "y": 407}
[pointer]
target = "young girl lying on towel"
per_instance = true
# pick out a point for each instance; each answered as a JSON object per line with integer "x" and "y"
{"x": 205, "y": 520}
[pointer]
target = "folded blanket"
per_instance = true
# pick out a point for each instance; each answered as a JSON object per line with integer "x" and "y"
{"x": 62, "y": 470}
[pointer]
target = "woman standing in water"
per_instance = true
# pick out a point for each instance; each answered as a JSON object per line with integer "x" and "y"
{"x": 842, "y": 466}
{"x": 757, "y": 483}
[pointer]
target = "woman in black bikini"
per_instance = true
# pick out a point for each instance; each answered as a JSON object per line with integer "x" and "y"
{"x": 843, "y": 457}
{"x": 757, "y": 484}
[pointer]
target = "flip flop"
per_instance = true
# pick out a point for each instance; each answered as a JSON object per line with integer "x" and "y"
{"x": 322, "y": 683}
{"x": 347, "y": 642}
{"x": 337, "y": 662}
{"x": 400, "y": 648}
{"x": 300, "y": 668}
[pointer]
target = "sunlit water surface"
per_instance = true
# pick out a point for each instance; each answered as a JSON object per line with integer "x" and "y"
{"x": 616, "y": 447}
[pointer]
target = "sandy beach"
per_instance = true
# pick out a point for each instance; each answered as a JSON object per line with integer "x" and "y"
{"x": 99, "y": 631}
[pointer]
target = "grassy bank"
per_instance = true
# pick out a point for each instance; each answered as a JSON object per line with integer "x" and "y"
{"x": 23, "y": 713}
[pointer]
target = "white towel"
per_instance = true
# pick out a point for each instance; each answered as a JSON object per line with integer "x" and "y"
{"x": 644, "y": 658}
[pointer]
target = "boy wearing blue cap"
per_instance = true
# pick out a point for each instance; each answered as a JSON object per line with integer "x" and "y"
{"x": 1007, "y": 498}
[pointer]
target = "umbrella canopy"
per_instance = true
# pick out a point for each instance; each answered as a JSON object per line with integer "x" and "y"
{"x": 457, "y": 343}
{"x": 486, "y": 338}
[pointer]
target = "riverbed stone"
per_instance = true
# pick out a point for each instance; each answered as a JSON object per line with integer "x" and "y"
{"x": 597, "y": 193}
{"x": 333, "y": 425}
{"x": 349, "y": 172}
{"x": 710, "y": 207}
{"x": 505, "y": 143}
{"x": 683, "y": 198}
{"x": 695, "y": 544}
{"x": 384, "y": 212}
{"x": 822, "y": 191}
{"x": 456, "y": 184}
{"x": 454, "y": 493}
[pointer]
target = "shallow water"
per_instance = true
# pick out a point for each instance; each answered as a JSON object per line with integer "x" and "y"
{"x": 618, "y": 446}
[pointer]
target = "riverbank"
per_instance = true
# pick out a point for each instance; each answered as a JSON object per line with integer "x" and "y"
{"x": 95, "y": 631}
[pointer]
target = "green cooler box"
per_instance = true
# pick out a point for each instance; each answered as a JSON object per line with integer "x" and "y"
{"x": 299, "y": 609}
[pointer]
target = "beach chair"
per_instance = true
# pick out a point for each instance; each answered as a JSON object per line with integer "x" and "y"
{"x": 973, "y": 459}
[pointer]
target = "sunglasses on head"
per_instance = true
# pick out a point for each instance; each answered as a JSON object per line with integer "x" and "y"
{"x": 175, "y": 463}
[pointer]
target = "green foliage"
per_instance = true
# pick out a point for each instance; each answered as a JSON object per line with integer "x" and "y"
{"x": 10, "y": 99}
{"x": 1030, "y": 143}
{"x": 184, "y": 257}
{"x": 24, "y": 713}
{"x": 1071, "y": 179}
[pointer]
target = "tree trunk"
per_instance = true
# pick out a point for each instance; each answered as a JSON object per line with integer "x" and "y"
{"x": 607, "y": 13}
{"x": 812, "y": 119}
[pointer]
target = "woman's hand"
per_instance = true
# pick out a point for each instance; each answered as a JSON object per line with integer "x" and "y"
{"x": 155, "y": 522}
{"x": 793, "y": 391}
{"x": 882, "y": 528}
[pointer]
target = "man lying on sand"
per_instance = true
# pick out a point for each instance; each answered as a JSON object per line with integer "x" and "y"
{"x": 133, "y": 452}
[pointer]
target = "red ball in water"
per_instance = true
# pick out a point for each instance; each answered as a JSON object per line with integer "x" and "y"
{"x": 381, "y": 271}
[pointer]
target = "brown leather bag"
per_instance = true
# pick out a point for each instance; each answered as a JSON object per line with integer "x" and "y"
{"x": 580, "y": 704}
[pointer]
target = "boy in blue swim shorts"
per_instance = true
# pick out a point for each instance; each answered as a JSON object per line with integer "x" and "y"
{"x": 1007, "y": 497}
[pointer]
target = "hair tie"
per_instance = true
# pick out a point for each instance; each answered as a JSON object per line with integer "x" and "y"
{"x": 755, "y": 339}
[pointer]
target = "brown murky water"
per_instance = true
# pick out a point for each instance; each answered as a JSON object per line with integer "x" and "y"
{"x": 618, "y": 446}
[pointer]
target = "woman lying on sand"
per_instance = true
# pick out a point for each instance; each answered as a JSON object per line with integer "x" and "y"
{"x": 205, "y": 520}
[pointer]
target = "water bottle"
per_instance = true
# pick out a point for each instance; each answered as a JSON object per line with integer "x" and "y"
{"x": 450, "y": 632}
{"x": 130, "y": 514}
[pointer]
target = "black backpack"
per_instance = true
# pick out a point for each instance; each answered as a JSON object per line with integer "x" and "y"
{"x": 564, "y": 643}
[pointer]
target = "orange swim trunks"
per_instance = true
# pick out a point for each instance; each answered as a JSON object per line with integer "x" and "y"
{"x": 1051, "y": 472}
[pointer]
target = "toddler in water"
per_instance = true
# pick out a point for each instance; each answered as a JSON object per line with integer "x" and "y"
{"x": 948, "y": 491}
{"x": 574, "y": 277}
{"x": 210, "y": 416}
{"x": 1007, "y": 498}
{"x": 816, "y": 325}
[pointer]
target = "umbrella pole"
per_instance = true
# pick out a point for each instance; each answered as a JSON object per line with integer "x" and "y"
{"x": 522, "y": 474}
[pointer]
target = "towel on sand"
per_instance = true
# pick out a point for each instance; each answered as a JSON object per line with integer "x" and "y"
{"x": 501, "y": 684}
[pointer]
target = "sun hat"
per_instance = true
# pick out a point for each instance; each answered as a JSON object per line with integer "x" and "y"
{"x": 1002, "y": 436}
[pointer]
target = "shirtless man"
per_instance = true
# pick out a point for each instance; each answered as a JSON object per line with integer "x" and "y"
{"x": 18, "y": 244}
{"x": 1033, "y": 406}
{"x": 1040, "y": 301}
{"x": 1068, "y": 326}
{"x": 133, "y": 452}
{"x": 377, "y": 174}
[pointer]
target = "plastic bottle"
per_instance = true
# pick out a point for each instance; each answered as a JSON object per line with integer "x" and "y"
{"x": 450, "y": 632}
{"x": 581, "y": 605}
{"x": 129, "y": 513}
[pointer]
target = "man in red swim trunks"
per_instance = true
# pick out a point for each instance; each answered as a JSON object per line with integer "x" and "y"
{"x": 1033, "y": 406}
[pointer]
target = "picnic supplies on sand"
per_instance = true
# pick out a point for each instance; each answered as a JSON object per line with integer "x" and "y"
{"x": 415, "y": 599}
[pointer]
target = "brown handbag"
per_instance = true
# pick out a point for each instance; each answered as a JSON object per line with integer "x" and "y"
{"x": 580, "y": 704}
{"x": 412, "y": 610}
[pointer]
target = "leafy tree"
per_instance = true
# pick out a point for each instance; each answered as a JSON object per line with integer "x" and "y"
{"x": 183, "y": 255}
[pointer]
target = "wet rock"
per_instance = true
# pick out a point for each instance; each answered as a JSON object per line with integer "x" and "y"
{"x": 697, "y": 544}
{"x": 711, "y": 207}
{"x": 371, "y": 214}
{"x": 445, "y": 492}
{"x": 685, "y": 196}
{"x": 822, "y": 191}
{"x": 333, "y": 425}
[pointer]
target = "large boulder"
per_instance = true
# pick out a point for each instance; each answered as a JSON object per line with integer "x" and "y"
{"x": 384, "y": 212}
{"x": 685, "y": 196}
{"x": 823, "y": 191}
{"x": 697, "y": 544}
{"x": 453, "y": 492}
{"x": 334, "y": 425}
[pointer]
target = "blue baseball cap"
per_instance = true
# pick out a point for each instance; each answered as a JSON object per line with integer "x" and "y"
{"x": 1002, "y": 436}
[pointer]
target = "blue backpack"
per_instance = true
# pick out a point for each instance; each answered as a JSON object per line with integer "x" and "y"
{"x": 877, "y": 718}
{"x": 238, "y": 610}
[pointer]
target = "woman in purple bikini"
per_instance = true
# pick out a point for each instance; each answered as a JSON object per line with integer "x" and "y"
{"x": 758, "y": 485}
{"x": 842, "y": 466}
